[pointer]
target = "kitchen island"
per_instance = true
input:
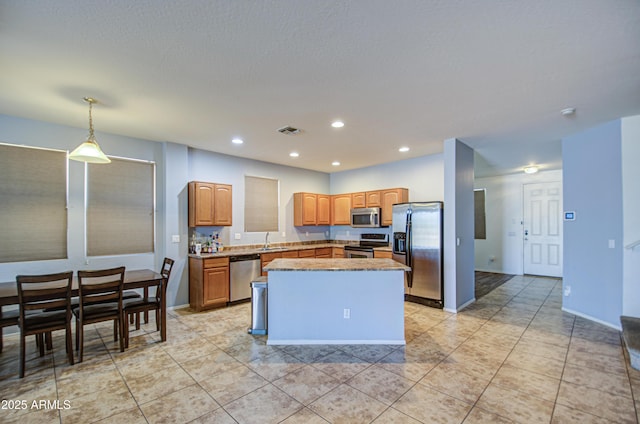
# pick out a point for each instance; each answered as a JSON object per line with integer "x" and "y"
{"x": 335, "y": 301}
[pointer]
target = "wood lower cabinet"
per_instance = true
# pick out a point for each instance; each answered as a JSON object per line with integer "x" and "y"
{"x": 290, "y": 254}
{"x": 337, "y": 252}
{"x": 208, "y": 283}
{"x": 265, "y": 258}
{"x": 382, "y": 254}
{"x": 341, "y": 209}
{"x": 209, "y": 204}
{"x": 323, "y": 252}
{"x": 307, "y": 253}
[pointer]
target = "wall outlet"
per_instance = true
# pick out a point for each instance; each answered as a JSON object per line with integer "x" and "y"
{"x": 175, "y": 238}
{"x": 284, "y": 234}
{"x": 567, "y": 290}
{"x": 238, "y": 236}
{"x": 612, "y": 244}
{"x": 347, "y": 313}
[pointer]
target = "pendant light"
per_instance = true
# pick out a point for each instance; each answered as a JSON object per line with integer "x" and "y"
{"x": 89, "y": 151}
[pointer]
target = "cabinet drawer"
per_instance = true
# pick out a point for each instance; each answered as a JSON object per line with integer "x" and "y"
{"x": 307, "y": 253}
{"x": 290, "y": 254}
{"x": 216, "y": 262}
{"x": 323, "y": 252}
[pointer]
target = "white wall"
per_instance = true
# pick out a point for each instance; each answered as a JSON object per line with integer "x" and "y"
{"x": 504, "y": 213}
{"x": 631, "y": 214}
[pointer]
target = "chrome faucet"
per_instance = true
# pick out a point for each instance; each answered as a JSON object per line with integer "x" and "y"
{"x": 266, "y": 241}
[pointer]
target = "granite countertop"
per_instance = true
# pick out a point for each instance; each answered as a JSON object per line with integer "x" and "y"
{"x": 335, "y": 264}
{"x": 251, "y": 250}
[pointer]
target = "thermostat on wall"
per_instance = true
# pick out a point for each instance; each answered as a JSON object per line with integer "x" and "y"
{"x": 570, "y": 216}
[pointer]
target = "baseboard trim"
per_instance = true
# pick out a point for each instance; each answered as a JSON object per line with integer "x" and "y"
{"x": 590, "y": 318}
{"x": 461, "y": 307}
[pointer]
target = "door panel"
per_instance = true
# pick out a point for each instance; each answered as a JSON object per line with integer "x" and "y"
{"x": 543, "y": 229}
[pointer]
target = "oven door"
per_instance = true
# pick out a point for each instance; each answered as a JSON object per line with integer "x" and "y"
{"x": 358, "y": 253}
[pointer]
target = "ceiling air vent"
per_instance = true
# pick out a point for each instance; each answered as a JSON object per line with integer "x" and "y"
{"x": 289, "y": 130}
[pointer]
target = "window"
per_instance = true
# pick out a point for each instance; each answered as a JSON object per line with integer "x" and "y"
{"x": 120, "y": 207}
{"x": 480, "y": 217}
{"x": 33, "y": 204}
{"x": 261, "y": 200}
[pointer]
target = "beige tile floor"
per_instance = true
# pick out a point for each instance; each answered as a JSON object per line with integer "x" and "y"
{"x": 513, "y": 356}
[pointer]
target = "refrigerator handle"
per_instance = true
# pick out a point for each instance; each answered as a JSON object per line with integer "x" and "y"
{"x": 409, "y": 250}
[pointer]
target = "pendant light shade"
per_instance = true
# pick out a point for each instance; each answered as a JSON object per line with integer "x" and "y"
{"x": 89, "y": 151}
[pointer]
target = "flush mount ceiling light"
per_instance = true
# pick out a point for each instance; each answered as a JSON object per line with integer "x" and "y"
{"x": 237, "y": 141}
{"x": 89, "y": 151}
{"x": 337, "y": 124}
{"x": 403, "y": 149}
{"x": 335, "y": 163}
{"x": 294, "y": 154}
{"x": 568, "y": 111}
{"x": 531, "y": 169}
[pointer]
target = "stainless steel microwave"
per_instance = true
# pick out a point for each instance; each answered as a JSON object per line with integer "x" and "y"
{"x": 365, "y": 217}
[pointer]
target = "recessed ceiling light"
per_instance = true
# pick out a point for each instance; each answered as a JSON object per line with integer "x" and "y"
{"x": 568, "y": 111}
{"x": 531, "y": 169}
{"x": 237, "y": 141}
{"x": 335, "y": 163}
{"x": 294, "y": 154}
{"x": 403, "y": 149}
{"x": 337, "y": 124}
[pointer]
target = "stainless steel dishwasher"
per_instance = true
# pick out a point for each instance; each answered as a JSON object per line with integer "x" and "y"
{"x": 243, "y": 269}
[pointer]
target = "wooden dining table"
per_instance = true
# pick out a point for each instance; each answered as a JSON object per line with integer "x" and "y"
{"x": 134, "y": 279}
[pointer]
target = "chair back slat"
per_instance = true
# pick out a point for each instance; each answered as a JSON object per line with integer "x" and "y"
{"x": 100, "y": 286}
{"x": 167, "y": 266}
{"x": 44, "y": 291}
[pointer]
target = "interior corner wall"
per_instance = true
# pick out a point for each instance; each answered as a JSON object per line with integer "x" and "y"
{"x": 459, "y": 279}
{"x": 631, "y": 214}
{"x": 593, "y": 243}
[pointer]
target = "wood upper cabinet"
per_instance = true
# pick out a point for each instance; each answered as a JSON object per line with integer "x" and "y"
{"x": 389, "y": 198}
{"x": 222, "y": 212}
{"x": 323, "y": 209}
{"x": 208, "y": 283}
{"x": 341, "y": 209}
{"x": 373, "y": 199}
{"x": 209, "y": 204}
{"x": 359, "y": 200}
{"x": 305, "y": 209}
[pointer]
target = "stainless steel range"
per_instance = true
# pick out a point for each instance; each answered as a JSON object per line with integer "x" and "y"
{"x": 365, "y": 248}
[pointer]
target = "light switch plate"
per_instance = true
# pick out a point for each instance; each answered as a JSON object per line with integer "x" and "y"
{"x": 237, "y": 236}
{"x": 175, "y": 238}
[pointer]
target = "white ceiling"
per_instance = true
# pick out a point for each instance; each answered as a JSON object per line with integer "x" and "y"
{"x": 494, "y": 74}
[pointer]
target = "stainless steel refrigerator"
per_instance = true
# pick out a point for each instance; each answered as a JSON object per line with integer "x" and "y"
{"x": 417, "y": 242}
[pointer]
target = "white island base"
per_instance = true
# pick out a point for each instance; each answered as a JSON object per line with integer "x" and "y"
{"x": 335, "y": 301}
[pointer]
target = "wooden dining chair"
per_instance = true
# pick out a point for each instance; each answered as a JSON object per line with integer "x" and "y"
{"x": 99, "y": 299}
{"x": 37, "y": 293}
{"x": 147, "y": 304}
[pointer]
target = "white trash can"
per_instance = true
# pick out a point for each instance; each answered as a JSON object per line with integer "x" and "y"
{"x": 258, "y": 307}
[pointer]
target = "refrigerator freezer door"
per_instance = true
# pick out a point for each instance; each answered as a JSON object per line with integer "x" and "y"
{"x": 426, "y": 250}
{"x": 399, "y": 225}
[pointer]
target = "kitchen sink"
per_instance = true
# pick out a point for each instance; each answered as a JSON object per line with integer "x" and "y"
{"x": 267, "y": 249}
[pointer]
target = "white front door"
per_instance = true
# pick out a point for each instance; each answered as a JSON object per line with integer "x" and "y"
{"x": 543, "y": 229}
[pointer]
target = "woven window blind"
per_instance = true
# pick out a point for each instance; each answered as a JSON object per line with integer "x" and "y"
{"x": 261, "y": 201}
{"x": 120, "y": 208}
{"x": 33, "y": 204}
